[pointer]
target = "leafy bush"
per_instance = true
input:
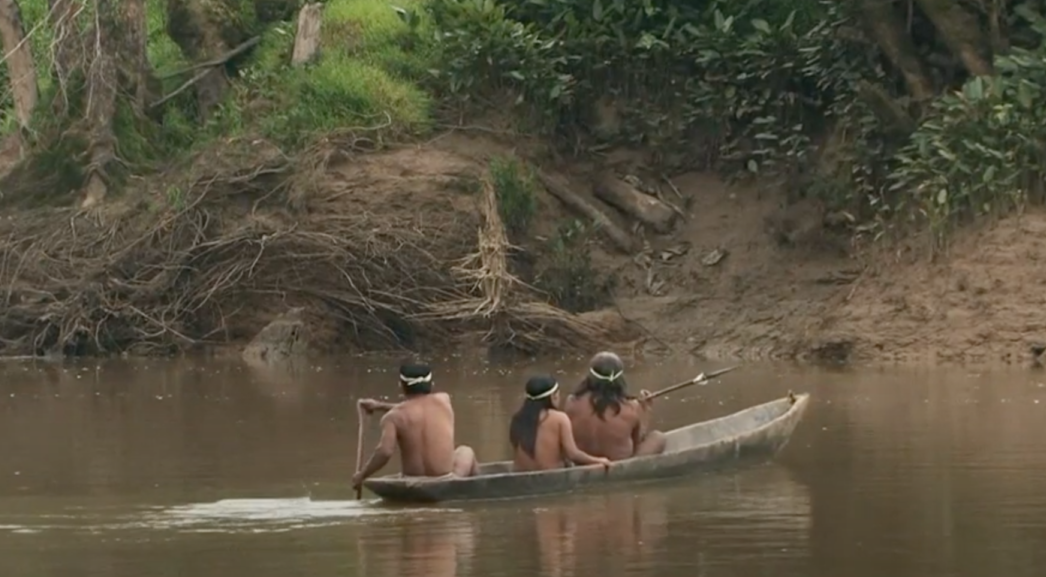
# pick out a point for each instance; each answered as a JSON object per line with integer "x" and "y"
{"x": 980, "y": 150}
{"x": 565, "y": 271}
{"x": 758, "y": 88}
{"x": 514, "y": 187}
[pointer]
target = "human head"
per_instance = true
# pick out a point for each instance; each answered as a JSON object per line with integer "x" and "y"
{"x": 415, "y": 379}
{"x": 605, "y": 382}
{"x": 541, "y": 394}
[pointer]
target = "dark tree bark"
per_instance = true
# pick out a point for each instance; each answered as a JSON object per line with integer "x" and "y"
{"x": 962, "y": 33}
{"x": 887, "y": 28}
{"x": 21, "y": 70}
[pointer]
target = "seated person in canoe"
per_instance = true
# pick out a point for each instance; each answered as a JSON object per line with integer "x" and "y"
{"x": 422, "y": 426}
{"x": 540, "y": 433}
{"x": 607, "y": 421}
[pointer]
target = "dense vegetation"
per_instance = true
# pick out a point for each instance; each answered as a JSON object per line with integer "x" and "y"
{"x": 924, "y": 112}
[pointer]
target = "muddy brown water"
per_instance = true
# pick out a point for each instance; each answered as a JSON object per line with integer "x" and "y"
{"x": 149, "y": 468}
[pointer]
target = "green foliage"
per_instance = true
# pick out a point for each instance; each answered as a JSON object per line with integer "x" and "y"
{"x": 758, "y": 88}
{"x": 514, "y": 188}
{"x": 364, "y": 78}
{"x": 565, "y": 271}
{"x": 979, "y": 150}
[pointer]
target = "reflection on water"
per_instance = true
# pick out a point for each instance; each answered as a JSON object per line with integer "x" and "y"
{"x": 225, "y": 516}
{"x": 216, "y": 469}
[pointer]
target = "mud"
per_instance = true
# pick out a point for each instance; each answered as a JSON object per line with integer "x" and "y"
{"x": 741, "y": 275}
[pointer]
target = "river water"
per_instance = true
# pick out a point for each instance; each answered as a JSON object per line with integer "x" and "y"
{"x": 214, "y": 469}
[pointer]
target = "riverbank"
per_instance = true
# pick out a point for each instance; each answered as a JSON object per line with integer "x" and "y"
{"x": 469, "y": 176}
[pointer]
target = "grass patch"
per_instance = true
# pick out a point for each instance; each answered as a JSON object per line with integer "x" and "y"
{"x": 514, "y": 187}
{"x": 365, "y": 78}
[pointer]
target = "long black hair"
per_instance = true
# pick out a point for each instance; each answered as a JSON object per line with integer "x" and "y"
{"x": 605, "y": 383}
{"x": 523, "y": 432}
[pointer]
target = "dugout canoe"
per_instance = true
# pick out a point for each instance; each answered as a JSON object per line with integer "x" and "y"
{"x": 754, "y": 433}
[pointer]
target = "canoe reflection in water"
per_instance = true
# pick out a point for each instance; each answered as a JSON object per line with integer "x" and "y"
{"x": 436, "y": 545}
{"x": 597, "y": 532}
{"x": 761, "y": 515}
{"x": 755, "y": 518}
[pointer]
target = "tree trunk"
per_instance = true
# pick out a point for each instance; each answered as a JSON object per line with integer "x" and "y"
{"x": 69, "y": 48}
{"x": 627, "y": 199}
{"x": 887, "y": 28}
{"x": 101, "y": 92}
{"x": 205, "y": 30}
{"x": 138, "y": 74}
{"x": 21, "y": 70}
{"x": 962, "y": 33}
{"x": 307, "y": 39}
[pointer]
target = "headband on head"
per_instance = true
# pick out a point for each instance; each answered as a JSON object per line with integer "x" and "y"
{"x": 546, "y": 394}
{"x": 611, "y": 377}
{"x": 411, "y": 381}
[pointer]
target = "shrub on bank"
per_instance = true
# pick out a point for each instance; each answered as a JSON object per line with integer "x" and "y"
{"x": 798, "y": 90}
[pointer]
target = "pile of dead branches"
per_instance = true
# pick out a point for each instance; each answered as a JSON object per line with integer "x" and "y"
{"x": 193, "y": 262}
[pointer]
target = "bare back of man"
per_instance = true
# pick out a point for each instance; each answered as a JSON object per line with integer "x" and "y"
{"x": 554, "y": 446}
{"x": 424, "y": 429}
{"x": 615, "y": 435}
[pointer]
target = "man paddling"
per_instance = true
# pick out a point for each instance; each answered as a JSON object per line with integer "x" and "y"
{"x": 607, "y": 421}
{"x": 422, "y": 426}
{"x": 541, "y": 434}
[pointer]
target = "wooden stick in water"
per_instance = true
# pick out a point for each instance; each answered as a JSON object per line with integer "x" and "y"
{"x": 701, "y": 378}
{"x": 359, "y": 446}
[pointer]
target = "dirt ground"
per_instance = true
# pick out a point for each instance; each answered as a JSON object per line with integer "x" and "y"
{"x": 808, "y": 297}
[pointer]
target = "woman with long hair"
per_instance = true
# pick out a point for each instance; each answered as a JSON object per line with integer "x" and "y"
{"x": 541, "y": 434}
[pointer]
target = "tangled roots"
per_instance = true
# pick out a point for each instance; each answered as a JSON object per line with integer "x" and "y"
{"x": 194, "y": 261}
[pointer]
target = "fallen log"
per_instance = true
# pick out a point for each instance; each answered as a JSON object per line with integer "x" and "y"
{"x": 621, "y": 239}
{"x": 634, "y": 203}
{"x": 307, "y": 38}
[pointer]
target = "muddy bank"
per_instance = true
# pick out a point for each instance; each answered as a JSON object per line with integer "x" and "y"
{"x": 402, "y": 249}
{"x": 789, "y": 289}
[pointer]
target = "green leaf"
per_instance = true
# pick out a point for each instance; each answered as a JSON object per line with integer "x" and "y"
{"x": 753, "y": 166}
{"x": 761, "y": 25}
{"x": 597, "y": 11}
{"x": 942, "y": 196}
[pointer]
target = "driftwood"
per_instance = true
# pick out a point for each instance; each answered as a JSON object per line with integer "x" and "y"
{"x": 621, "y": 239}
{"x": 627, "y": 199}
{"x": 307, "y": 38}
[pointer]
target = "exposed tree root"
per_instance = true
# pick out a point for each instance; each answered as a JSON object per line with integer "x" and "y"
{"x": 194, "y": 264}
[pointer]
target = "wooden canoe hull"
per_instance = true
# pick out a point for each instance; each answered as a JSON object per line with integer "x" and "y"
{"x": 758, "y": 432}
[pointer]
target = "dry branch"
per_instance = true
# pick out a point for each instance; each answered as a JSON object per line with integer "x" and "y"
{"x": 205, "y": 68}
{"x": 197, "y": 271}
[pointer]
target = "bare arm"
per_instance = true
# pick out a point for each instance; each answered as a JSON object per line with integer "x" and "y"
{"x": 385, "y": 449}
{"x": 640, "y": 428}
{"x": 375, "y": 406}
{"x": 569, "y": 446}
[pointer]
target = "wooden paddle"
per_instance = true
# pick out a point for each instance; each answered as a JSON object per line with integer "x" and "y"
{"x": 698, "y": 379}
{"x": 359, "y": 446}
